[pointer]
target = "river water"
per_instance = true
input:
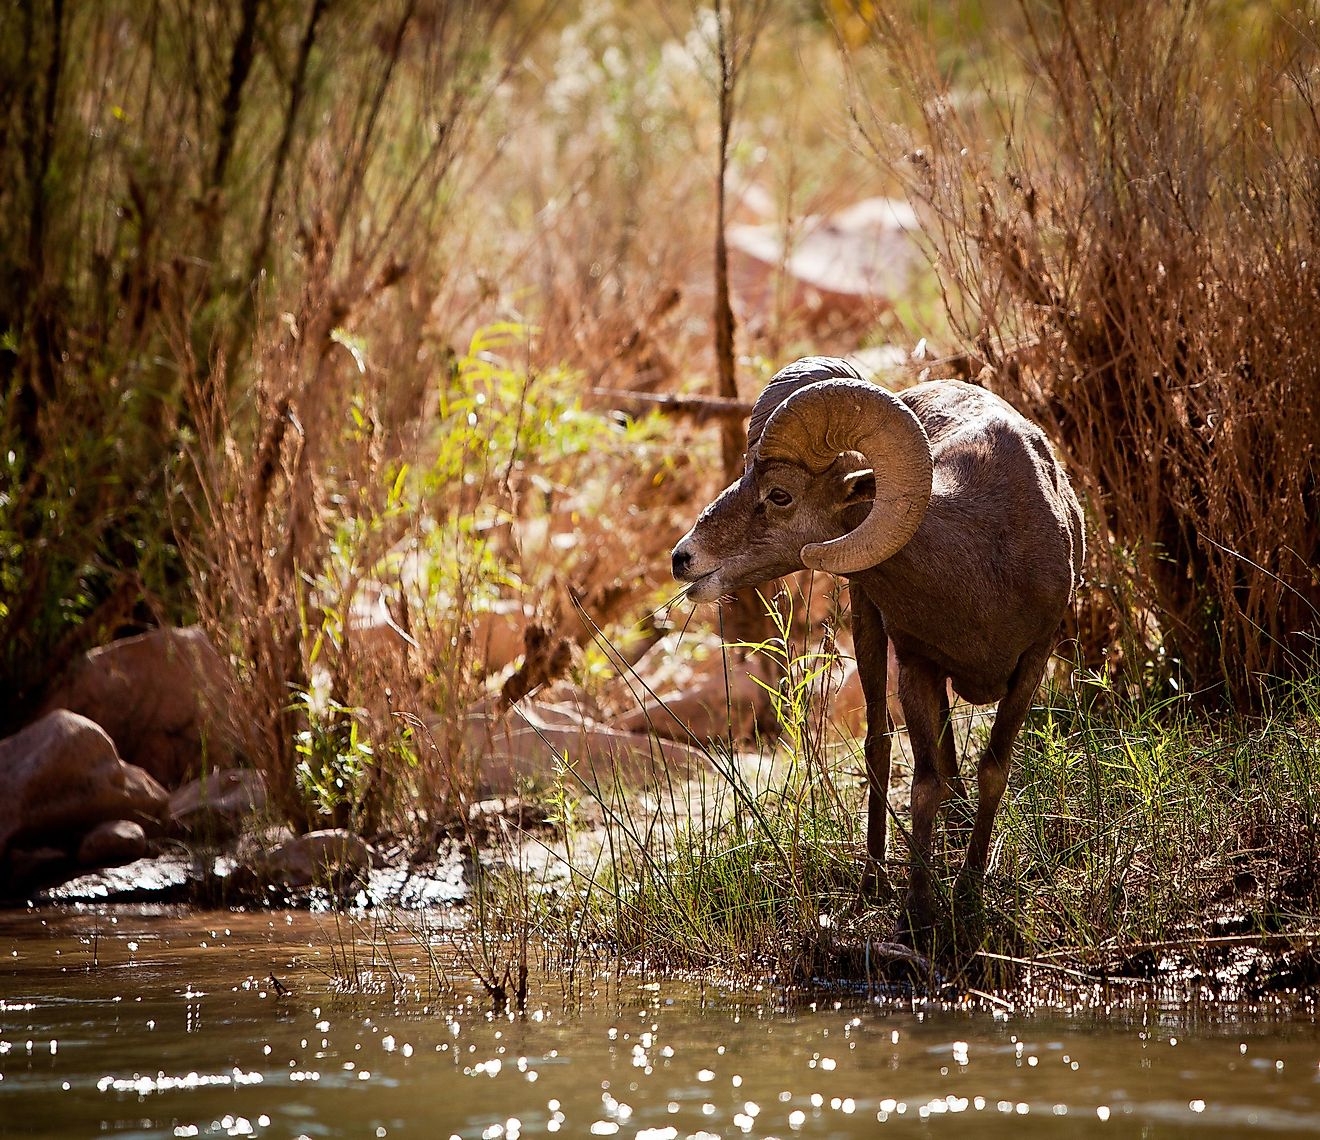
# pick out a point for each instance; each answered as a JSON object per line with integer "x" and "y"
{"x": 133, "y": 1023}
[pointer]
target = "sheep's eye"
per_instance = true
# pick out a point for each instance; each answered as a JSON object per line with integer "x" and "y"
{"x": 779, "y": 497}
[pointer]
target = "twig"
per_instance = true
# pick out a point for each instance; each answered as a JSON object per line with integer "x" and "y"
{"x": 1037, "y": 963}
{"x": 700, "y": 408}
{"x": 993, "y": 999}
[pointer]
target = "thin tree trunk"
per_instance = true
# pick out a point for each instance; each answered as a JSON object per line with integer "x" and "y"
{"x": 743, "y": 617}
{"x": 733, "y": 437}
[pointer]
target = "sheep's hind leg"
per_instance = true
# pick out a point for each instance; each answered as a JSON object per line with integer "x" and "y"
{"x": 992, "y": 772}
{"x": 871, "y": 645}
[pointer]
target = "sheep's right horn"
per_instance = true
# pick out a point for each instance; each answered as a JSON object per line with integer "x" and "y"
{"x": 822, "y": 420}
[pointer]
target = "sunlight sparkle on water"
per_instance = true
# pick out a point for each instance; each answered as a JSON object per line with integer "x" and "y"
{"x": 372, "y": 1057}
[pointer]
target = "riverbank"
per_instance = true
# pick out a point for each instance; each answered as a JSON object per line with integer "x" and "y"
{"x": 1140, "y": 845}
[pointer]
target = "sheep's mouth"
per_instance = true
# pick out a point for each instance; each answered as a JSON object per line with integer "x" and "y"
{"x": 698, "y": 589}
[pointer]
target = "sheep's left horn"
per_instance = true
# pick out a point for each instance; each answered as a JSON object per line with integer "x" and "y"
{"x": 789, "y": 379}
{"x": 819, "y": 422}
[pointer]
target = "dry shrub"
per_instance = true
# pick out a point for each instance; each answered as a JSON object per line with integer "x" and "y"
{"x": 162, "y": 167}
{"x": 609, "y": 185}
{"x": 353, "y": 584}
{"x": 254, "y": 268}
{"x": 596, "y": 199}
{"x": 1129, "y": 238}
{"x": 301, "y": 492}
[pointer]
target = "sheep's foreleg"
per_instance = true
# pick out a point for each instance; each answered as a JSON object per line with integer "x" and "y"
{"x": 922, "y": 691}
{"x": 871, "y": 644}
{"x": 992, "y": 772}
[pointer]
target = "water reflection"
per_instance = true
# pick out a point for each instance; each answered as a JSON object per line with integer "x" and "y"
{"x": 157, "y": 1025}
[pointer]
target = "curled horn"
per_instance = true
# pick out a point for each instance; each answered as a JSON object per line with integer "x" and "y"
{"x": 821, "y": 419}
{"x": 783, "y": 384}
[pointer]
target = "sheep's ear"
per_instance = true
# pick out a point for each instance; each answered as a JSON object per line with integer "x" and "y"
{"x": 859, "y": 486}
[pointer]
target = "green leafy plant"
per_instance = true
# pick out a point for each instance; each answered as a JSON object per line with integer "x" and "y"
{"x": 337, "y": 762}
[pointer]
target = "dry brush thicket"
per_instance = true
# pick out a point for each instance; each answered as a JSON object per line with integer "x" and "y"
{"x": 1129, "y": 240}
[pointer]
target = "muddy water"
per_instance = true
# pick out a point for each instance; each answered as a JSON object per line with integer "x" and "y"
{"x": 128, "y": 1023}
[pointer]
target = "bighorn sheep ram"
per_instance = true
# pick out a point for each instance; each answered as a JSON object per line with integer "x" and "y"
{"x": 961, "y": 540}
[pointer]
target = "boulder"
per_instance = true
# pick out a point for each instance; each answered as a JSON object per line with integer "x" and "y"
{"x": 253, "y": 846}
{"x": 60, "y": 779}
{"x": 494, "y": 628}
{"x": 497, "y": 633}
{"x": 531, "y": 741}
{"x": 28, "y": 869}
{"x": 333, "y": 857}
{"x": 710, "y": 707}
{"x": 838, "y": 269}
{"x": 709, "y": 700}
{"x": 112, "y": 844}
{"x": 214, "y": 806}
{"x": 162, "y": 698}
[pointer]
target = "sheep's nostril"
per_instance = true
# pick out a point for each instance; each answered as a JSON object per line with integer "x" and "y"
{"x": 682, "y": 560}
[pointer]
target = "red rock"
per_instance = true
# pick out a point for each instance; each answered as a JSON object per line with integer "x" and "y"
{"x": 60, "y": 778}
{"x": 214, "y": 806}
{"x": 319, "y": 858}
{"x": 113, "y": 844}
{"x": 161, "y": 696}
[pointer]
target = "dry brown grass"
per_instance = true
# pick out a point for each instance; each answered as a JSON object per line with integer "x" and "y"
{"x": 1127, "y": 235}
